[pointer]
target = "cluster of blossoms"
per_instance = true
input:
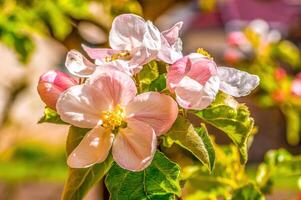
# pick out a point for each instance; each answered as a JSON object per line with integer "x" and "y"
{"x": 108, "y": 104}
{"x": 255, "y": 39}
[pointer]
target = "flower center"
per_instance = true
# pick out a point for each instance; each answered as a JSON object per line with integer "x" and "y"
{"x": 113, "y": 118}
{"x": 124, "y": 55}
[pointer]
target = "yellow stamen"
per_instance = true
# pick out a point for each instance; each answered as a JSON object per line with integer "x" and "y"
{"x": 204, "y": 53}
{"x": 113, "y": 118}
{"x": 124, "y": 55}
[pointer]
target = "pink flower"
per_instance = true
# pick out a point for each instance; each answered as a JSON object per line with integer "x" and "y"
{"x": 196, "y": 79}
{"x": 107, "y": 103}
{"x": 296, "y": 85}
{"x": 52, "y": 84}
{"x": 135, "y": 42}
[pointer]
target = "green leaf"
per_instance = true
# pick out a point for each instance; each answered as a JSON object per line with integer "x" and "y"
{"x": 158, "y": 84}
{"x": 197, "y": 141}
{"x": 148, "y": 74}
{"x": 232, "y": 118}
{"x": 80, "y": 181}
{"x": 159, "y": 181}
{"x": 247, "y": 192}
{"x": 51, "y": 116}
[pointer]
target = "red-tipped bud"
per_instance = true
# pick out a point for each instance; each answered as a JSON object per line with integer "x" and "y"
{"x": 52, "y": 84}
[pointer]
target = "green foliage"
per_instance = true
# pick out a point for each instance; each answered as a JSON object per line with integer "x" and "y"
{"x": 232, "y": 118}
{"x": 247, "y": 192}
{"x": 228, "y": 175}
{"x": 159, "y": 181}
{"x": 197, "y": 141}
{"x": 51, "y": 116}
{"x": 21, "y": 162}
{"x": 21, "y": 20}
{"x": 80, "y": 181}
{"x": 277, "y": 164}
{"x": 147, "y": 75}
{"x": 158, "y": 84}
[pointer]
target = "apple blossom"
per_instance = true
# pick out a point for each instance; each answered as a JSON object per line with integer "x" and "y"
{"x": 135, "y": 42}
{"x": 52, "y": 84}
{"x": 107, "y": 103}
{"x": 196, "y": 80}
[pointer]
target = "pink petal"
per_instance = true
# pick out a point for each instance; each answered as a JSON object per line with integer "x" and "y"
{"x": 193, "y": 95}
{"x": 94, "y": 148}
{"x": 116, "y": 86}
{"x": 202, "y": 68}
{"x": 177, "y": 71}
{"x": 78, "y": 65}
{"x": 49, "y": 94}
{"x": 155, "y": 109}
{"x": 58, "y": 78}
{"x": 82, "y": 105}
{"x": 127, "y": 32}
{"x": 172, "y": 34}
{"x": 134, "y": 146}
{"x": 52, "y": 84}
{"x": 99, "y": 53}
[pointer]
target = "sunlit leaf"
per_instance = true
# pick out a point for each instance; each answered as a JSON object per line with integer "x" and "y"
{"x": 51, "y": 116}
{"x": 226, "y": 176}
{"x": 148, "y": 74}
{"x": 80, "y": 181}
{"x": 159, "y": 181}
{"x": 232, "y": 118}
{"x": 197, "y": 141}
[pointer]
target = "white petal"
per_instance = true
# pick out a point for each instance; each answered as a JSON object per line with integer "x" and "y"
{"x": 152, "y": 37}
{"x": 78, "y": 65}
{"x": 127, "y": 32}
{"x": 235, "y": 82}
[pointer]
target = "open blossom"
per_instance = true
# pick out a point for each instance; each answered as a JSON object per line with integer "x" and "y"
{"x": 107, "y": 103}
{"x": 134, "y": 42}
{"x": 52, "y": 84}
{"x": 196, "y": 80}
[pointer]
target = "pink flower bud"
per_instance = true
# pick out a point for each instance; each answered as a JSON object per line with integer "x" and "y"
{"x": 52, "y": 84}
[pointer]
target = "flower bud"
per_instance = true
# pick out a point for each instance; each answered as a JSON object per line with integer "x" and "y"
{"x": 52, "y": 84}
